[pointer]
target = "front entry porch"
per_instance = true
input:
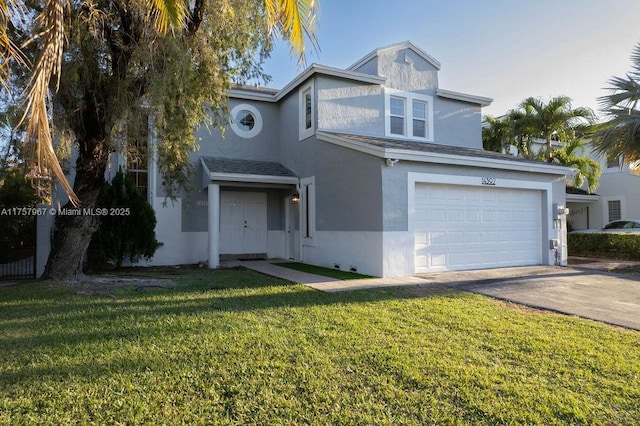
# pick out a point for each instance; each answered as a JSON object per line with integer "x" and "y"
{"x": 252, "y": 210}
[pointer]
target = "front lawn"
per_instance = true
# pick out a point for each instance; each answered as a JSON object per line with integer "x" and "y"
{"x": 237, "y": 347}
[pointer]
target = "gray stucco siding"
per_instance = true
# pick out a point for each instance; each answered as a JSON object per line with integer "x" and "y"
{"x": 263, "y": 146}
{"x": 350, "y": 107}
{"x": 457, "y": 123}
{"x": 347, "y": 184}
{"x": 348, "y": 195}
{"x": 417, "y": 75}
{"x": 369, "y": 67}
{"x": 214, "y": 143}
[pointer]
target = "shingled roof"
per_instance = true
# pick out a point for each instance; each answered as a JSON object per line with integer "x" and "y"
{"x": 244, "y": 170}
{"x": 387, "y": 143}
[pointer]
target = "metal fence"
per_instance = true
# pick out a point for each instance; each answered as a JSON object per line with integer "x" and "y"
{"x": 18, "y": 249}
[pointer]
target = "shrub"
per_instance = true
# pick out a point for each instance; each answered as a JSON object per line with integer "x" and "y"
{"x": 623, "y": 246}
{"x": 128, "y": 230}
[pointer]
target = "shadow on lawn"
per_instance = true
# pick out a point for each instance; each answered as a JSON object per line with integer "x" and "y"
{"x": 64, "y": 314}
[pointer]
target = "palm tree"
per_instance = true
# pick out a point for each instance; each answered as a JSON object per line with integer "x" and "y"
{"x": 509, "y": 130}
{"x": 554, "y": 120}
{"x": 496, "y": 134}
{"x": 293, "y": 19}
{"x": 571, "y": 154}
{"x": 620, "y": 135}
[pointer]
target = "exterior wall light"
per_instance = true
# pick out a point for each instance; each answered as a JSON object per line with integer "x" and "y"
{"x": 295, "y": 198}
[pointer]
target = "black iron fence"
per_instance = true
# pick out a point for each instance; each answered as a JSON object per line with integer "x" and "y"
{"x": 18, "y": 248}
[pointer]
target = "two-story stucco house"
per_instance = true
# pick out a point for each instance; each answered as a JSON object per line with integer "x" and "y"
{"x": 373, "y": 168}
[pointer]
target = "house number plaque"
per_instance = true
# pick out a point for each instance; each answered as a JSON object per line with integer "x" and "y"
{"x": 489, "y": 181}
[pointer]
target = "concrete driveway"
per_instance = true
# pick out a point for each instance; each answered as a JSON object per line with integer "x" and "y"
{"x": 602, "y": 296}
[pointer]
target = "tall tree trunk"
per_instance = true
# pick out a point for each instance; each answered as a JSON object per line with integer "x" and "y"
{"x": 74, "y": 231}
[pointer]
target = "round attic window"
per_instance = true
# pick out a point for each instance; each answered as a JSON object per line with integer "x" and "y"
{"x": 245, "y": 120}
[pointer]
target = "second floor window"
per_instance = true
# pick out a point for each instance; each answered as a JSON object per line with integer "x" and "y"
{"x": 396, "y": 115}
{"x": 408, "y": 115}
{"x": 306, "y": 111}
{"x": 419, "y": 119}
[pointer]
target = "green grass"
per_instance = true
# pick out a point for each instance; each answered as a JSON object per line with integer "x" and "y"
{"x": 236, "y": 347}
{"x": 319, "y": 270}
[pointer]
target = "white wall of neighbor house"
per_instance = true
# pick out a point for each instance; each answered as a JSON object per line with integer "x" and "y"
{"x": 622, "y": 186}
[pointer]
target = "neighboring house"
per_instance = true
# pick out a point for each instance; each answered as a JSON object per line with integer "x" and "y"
{"x": 617, "y": 196}
{"x": 373, "y": 168}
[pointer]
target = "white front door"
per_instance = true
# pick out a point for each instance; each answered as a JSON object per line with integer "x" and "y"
{"x": 468, "y": 227}
{"x": 243, "y": 222}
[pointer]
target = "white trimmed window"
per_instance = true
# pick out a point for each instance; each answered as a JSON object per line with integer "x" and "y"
{"x": 397, "y": 113}
{"x": 419, "y": 109}
{"x": 245, "y": 120}
{"x": 308, "y": 210}
{"x": 306, "y": 116}
{"x": 408, "y": 115}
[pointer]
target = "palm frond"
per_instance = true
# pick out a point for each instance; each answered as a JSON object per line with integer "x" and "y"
{"x": 620, "y": 135}
{"x": 167, "y": 14}
{"x": 296, "y": 20}
{"x": 8, "y": 50}
{"x": 625, "y": 93}
{"x": 38, "y": 132}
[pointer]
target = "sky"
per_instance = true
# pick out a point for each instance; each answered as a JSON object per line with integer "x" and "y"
{"x": 506, "y": 50}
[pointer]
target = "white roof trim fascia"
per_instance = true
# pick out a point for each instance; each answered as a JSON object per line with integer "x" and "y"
{"x": 301, "y": 78}
{"x": 333, "y": 72}
{"x": 582, "y": 197}
{"x": 440, "y": 158}
{"x": 464, "y": 97}
{"x": 252, "y": 96}
{"x": 405, "y": 45}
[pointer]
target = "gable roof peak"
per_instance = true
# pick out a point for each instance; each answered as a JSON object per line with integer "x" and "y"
{"x": 407, "y": 44}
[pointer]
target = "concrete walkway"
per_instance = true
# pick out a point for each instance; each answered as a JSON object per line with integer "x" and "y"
{"x": 589, "y": 293}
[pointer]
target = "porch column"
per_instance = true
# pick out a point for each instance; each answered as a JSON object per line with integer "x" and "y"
{"x": 214, "y": 225}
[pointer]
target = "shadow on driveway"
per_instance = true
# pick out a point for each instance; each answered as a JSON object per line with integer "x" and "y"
{"x": 602, "y": 296}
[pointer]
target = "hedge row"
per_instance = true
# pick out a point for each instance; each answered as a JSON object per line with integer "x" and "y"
{"x": 621, "y": 246}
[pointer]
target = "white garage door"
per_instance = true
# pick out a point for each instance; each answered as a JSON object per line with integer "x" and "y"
{"x": 468, "y": 227}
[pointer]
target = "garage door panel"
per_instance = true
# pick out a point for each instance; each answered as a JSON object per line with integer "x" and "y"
{"x": 473, "y": 216}
{"x": 460, "y": 227}
{"x": 456, "y": 216}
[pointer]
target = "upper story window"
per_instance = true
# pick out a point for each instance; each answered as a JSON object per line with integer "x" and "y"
{"x": 397, "y": 112}
{"x": 245, "y": 120}
{"x": 306, "y": 111}
{"x": 408, "y": 115}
